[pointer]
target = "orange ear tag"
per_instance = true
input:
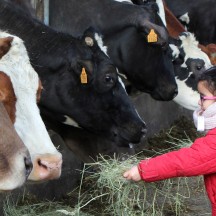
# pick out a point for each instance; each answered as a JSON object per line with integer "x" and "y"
{"x": 83, "y": 76}
{"x": 152, "y": 36}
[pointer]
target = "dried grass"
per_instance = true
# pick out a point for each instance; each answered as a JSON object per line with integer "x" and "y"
{"x": 102, "y": 185}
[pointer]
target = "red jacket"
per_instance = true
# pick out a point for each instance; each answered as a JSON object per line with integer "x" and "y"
{"x": 199, "y": 159}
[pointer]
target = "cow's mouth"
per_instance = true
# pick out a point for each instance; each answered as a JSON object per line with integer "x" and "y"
{"x": 123, "y": 138}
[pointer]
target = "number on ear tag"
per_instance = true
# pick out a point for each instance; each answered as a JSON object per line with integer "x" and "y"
{"x": 152, "y": 36}
{"x": 83, "y": 76}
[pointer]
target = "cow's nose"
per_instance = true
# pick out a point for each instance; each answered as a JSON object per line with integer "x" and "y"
{"x": 28, "y": 165}
{"x": 46, "y": 167}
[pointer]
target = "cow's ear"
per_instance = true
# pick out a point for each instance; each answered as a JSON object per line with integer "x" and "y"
{"x": 154, "y": 34}
{"x": 5, "y": 45}
{"x": 89, "y": 41}
{"x": 89, "y": 37}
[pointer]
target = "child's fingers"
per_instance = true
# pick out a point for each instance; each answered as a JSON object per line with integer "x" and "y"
{"x": 126, "y": 174}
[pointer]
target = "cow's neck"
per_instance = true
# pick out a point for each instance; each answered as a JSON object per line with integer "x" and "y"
{"x": 36, "y": 35}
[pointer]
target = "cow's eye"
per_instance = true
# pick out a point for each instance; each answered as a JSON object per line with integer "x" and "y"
{"x": 109, "y": 79}
{"x": 199, "y": 67}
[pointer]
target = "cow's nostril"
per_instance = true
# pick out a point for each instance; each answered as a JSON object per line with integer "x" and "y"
{"x": 28, "y": 165}
{"x": 42, "y": 165}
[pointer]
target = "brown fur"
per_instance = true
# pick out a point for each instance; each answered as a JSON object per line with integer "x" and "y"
{"x": 40, "y": 88}
{"x": 10, "y": 143}
{"x": 174, "y": 27}
{"x": 7, "y": 95}
{"x": 5, "y": 44}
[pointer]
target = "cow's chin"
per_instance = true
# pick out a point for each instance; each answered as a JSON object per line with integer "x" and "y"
{"x": 125, "y": 140}
{"x": 163, "y": 97}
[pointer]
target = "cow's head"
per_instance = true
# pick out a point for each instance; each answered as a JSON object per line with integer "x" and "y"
{"x": 99, "y": 104}
{"x": 189, "y": 63}
{"x": 19, "y": 91}
{"x": 15, "y": 161}
{"x": 151, "y": 64}
{"x": 146, "y": 64}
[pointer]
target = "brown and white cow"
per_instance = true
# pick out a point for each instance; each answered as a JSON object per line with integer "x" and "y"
{"x": 19, "y": 89}
{"x": 15, "y": 162}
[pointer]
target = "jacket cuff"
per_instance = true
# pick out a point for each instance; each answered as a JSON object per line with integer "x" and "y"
{"x": 147, "y": 173}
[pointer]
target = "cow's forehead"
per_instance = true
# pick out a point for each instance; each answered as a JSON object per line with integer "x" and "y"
{"x": 15, "y": 63}
{"x": 191, "y": 49}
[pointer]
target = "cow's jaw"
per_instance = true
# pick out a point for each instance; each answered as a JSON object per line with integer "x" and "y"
{"x": 187, "y": 97}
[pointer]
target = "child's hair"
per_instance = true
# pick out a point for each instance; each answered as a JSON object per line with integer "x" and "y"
{"x": 210, "y": 77}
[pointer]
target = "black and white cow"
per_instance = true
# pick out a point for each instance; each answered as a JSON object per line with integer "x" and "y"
{"x": 125, "y": 27}
{"x": 188, "y": 60}
{"x": 198, "y": 16}
{"x": 101, "y": 105}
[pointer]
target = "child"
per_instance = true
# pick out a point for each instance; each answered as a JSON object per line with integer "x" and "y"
{"x": 200, "y": 158}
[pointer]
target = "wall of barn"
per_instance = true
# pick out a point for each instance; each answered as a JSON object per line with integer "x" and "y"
{"x": 157, "y": 115}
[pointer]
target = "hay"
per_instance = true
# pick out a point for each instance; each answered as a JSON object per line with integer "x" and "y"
{"x": 104, "y": 191}
{"x": 48, "y": 208}
{"x": 123, "y": 197}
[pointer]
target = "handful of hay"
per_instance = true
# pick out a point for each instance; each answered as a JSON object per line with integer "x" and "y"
{"x": 122, "y": 197}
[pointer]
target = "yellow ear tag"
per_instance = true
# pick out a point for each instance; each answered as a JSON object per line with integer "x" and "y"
{"x": 83, "y": 76}
{"x": 152, "y": 36}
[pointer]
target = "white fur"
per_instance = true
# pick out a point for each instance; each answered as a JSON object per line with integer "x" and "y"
{"x": 99, "y": 40}
{"x": 191, "y": 49}
{"x": 129, "y": 1}
{"x": 123, "y": 85}
{"x": 70, "y": 121}
{"x": 185, "y": 18}
{"x": 122, "y": 75}
{"x": 175, "y": 50}
{"x": 186, "y": 97}
{"x": 161, "y": 11}
{"x": 28, "y": 122}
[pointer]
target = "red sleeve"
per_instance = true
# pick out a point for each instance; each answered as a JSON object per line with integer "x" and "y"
{"x": 199, "y": 159}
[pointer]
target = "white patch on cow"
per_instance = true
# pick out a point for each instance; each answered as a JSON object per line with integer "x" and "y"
{"x": 70, "y": 121}
{"x": 25, "y": 81}
{"x": 123, "y": 85}
{"x": 121, "y": 74}
{"x": 186, "y": 97}
{"x": 161, "y": 12}
{"x": 175, "y": 51}
{"x": 100, "y": 43}
{"x": 191, "y": 49}
{"x": 128, "y": 1}
{"x": 185, "y": 18}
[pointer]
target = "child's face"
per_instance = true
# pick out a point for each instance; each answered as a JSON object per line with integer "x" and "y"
{"x": 203, "y": 90}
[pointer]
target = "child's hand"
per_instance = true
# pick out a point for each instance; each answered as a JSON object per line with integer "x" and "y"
{"x": 132, "y": 174}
